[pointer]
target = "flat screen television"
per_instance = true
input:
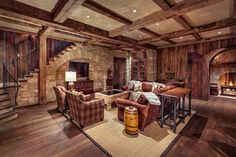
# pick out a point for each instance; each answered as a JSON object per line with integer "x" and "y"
{"x": 81, "y": 69}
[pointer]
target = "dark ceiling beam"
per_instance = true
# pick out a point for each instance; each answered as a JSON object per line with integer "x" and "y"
{"x": 92, "y": 5}
{"x": 158, "y": 16}
{"x": 22, "y": 12}
{"x": 166, "y": 5}
{"x": 197, "y": 36}
{"x": 209, "y": 27}
{"x": 64, "y": 9}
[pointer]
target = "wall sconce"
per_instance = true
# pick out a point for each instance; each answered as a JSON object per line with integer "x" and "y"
{"x": 70, "y": 77}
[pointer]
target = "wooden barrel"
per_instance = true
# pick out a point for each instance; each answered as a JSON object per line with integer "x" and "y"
{"x": 131, "y": 120}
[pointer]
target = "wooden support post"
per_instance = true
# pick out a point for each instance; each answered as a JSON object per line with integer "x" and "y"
{"x": 42, "y": 69}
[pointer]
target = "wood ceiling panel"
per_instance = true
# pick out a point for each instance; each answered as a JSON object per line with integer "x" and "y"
{"x": 159, "y": 43}
{"x": 137, "y": 35}
{"x": 46, "y": 5}
{"x": 18, "y": 27}
{"x": 209, "y": 14}
{"x": 126, "y": 7}
{"x": 95, "y": 19}
{"x": 183, "y": 39}
{"x": 217, "y": 32}
{"x": 166, "y": 26}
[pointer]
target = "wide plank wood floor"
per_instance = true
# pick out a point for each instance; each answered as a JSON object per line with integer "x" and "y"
{"x": 211, "y": 132}
{"x": 40, "y": 131}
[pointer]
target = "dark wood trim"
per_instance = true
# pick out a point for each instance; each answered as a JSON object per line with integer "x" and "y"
{"x": 212, "y": 26}
{"x": 199, "y": 41}
{"x": 34, "y": 15}
{"x": 64, "y": 9}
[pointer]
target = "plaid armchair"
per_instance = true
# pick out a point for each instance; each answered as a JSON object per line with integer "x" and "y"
{"x": 61, "y": 98}
{"x": 84, "y": 112}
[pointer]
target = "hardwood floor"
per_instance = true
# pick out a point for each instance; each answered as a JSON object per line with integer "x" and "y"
{"x": 211, "y": 132}
{"x": 42, "y": 131}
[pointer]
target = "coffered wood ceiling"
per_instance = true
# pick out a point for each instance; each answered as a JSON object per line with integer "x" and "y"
{"x": 123, "y": 24}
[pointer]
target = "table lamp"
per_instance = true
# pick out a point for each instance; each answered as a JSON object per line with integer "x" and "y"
{"x": 70, "y": 77}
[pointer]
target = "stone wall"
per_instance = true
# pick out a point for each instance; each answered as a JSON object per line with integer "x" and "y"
{"x": 100, "y": 60}
{"x": 28, "y": 91}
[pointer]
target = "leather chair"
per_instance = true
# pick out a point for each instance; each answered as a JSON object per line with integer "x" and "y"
{"x": 84, "y": 112}
{"x": 146, "y": 113}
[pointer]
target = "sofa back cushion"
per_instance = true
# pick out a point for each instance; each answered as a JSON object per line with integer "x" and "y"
{"x": 157, "y": 85}
{"x": 134, "y": 96}
{"x": 161, "y": 90}
{"x": 147, "y": 86}
{"x": 142, "y": 100}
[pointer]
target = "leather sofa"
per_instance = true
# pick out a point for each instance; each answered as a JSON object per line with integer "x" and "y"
{"x": 147, "y": 113}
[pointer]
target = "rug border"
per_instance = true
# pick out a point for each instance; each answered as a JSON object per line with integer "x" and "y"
{"x": 167, "y": 150}
{"x": 92, "y": 140}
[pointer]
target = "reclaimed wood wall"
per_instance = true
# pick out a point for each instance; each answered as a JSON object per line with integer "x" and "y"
{"x": 175, "y": 59}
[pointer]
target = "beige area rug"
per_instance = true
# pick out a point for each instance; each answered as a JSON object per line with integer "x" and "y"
{"x": 152, "y": 142}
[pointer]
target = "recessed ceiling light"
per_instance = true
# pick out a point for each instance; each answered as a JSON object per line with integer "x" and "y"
{"x": 134, "y": 11}
{"x": 140, "y": 36}
{"x": 219, "y": 32}
{"x": 157, "y": 24}
{"x": 180, "y": 38}
{"x": 88, "y": 16}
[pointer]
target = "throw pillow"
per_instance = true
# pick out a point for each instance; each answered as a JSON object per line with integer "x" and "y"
{"x": 134, "y": 96}
{"x": 138, "y": 86}
{"x": 142, "y": 100}
{"x": 156, "y": 85}
{"x": 146, "y": 86}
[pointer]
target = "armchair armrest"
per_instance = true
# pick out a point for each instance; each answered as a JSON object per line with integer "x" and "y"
{"x": 124, "y": 88}
{"x": 124, "y": 102}
{"x": 86, "y": 98}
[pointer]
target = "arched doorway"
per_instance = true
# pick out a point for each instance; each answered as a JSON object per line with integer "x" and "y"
{"x": 218, "y": 64}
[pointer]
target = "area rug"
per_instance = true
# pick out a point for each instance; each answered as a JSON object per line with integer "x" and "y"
{"x": 152, "y": 142}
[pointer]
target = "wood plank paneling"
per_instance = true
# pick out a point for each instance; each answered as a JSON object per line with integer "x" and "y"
{"x": 175, "y": 59}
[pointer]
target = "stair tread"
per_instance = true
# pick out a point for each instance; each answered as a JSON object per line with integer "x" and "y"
{"x": 2, "y": 116}
{"x": 6, "y": 106}
{"x": 5, "y": 93}
{"x": 5, "y": 99}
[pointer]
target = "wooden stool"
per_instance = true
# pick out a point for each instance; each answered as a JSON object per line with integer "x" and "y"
{"x": 131, "y": 120}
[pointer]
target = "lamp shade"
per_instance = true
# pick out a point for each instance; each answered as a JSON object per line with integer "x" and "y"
{"x": 70, "y": 76}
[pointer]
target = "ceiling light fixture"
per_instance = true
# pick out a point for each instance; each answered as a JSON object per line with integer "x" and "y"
{"x": 88, "y": 16}
{"x": 140, "y": 36}
{"x": 180, "y": 38}
{"x": 219, "y": 32}
{"x": 157, "y": 24}
{"x": 134, "y": 11}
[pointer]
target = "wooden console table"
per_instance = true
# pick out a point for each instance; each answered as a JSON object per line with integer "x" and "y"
{"x": 85, "y": 86}
{"x": 175, "y": 95}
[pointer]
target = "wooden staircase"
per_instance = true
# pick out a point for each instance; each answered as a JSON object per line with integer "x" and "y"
{"x": 7, "y": 111}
